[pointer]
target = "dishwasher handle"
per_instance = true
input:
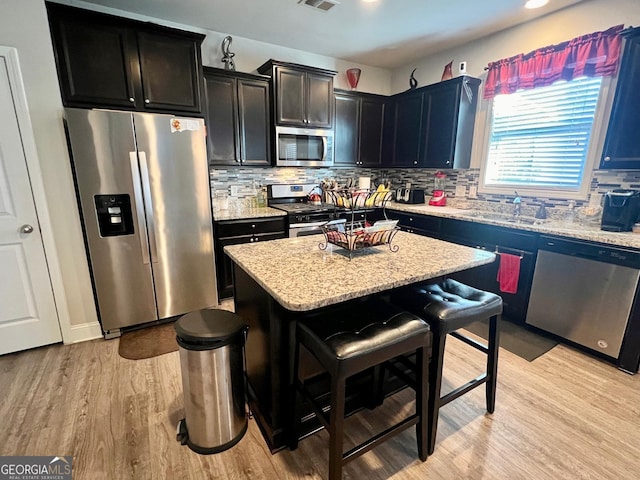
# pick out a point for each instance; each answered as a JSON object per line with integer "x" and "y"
{"x": 592, "y": 251}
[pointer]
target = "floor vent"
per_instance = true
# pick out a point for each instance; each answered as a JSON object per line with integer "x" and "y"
{"x": 323, "y": 5}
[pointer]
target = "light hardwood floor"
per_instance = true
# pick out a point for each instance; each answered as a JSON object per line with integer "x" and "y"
{"x": 562, "y": 416}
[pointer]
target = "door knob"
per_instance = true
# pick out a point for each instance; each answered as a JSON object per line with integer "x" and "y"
{"x": 26, "y": 229}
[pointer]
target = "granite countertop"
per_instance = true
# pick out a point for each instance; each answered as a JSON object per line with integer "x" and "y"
{"x": 573, "y": 229}
{"x": 241, "y": 211}
{"x": 301, "y": 277}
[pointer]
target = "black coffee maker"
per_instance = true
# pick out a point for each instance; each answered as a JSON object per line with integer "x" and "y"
{"x": 621, "y": 209}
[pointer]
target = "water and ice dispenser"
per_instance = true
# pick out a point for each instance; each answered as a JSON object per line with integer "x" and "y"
{"x": 114, "y": 215}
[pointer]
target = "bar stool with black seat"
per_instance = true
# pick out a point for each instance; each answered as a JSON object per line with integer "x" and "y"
{"x": 448, "y": 306}
{"x": 350, "y": 340}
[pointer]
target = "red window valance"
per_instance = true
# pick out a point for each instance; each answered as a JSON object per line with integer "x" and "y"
{"x": 595, "y": 54}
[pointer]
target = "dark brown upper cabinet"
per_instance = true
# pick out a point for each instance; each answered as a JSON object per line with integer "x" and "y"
{"x": 622, "y": 144}
{"x": 237, "y": 116}
{"x": 302, "y": 96}
{"x": 432, "y": 126}
{"x": 359, "y": 122}
{"x": 108, "y": 61}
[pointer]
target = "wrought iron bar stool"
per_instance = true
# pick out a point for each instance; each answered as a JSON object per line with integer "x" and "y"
{"x": 350, "y": 340}
{"x": 448, "y": 306}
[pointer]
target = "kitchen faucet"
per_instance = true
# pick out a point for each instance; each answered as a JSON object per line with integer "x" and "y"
{"x": 517, "y": 204}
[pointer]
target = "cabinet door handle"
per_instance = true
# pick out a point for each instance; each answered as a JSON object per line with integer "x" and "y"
{"x": 607, "y": 159}
{"x": 146, "y": 100}
{"x": 131, "y": 99}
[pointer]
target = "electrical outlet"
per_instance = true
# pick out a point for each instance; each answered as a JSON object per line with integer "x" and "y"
{"x": 233, "y": 190}
{"x": 461, "y": 190}
{"x": 473, "y": 191}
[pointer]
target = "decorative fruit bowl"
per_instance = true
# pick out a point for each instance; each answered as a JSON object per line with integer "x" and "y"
{"x": 353, "y": 199}
{"x": 354, "y": 237}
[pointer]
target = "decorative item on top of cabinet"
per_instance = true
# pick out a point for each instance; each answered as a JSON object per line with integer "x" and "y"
{"x": 358, "y": 126}
{"x": 140, "y": 66}
{"x": 227, "y": 56}
{"x": 413, "y": 83}
{"x": 353, "y": 77}
{"x": 302, "y": 96}
{"x": 237, "y": 117}
{"x": 447, "y": 74}
{"x": 622, "y": 144}
{"x": 432, "y": 126}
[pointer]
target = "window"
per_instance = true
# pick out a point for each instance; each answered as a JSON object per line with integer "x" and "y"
{"x": 539, "y": 138}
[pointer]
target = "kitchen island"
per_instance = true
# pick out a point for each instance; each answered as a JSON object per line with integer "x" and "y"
{"x": 277, "y": 283}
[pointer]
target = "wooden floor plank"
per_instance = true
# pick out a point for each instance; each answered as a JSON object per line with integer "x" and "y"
{"x": 564, "y": 415}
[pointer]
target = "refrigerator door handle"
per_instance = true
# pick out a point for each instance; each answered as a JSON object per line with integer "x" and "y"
{"x": 137, "y": 193}
{"x": 148, "y": 201}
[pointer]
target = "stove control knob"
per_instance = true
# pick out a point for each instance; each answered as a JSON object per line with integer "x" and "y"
{"x": 307, "y": 218}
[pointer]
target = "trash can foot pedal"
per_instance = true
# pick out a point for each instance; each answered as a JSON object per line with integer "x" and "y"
{"x": 181, "y": 432}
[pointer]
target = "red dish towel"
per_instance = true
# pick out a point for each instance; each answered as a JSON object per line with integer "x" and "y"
{"x": 509, "y": 272}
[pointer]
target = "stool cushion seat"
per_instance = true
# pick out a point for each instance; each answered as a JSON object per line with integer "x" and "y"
{"x": 449, "y": 305}
{"x": 353, "y": 338}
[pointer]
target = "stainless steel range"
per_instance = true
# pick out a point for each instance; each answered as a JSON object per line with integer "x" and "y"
{"x": 305, "y": 218}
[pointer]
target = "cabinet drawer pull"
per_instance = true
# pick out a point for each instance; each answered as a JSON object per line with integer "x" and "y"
{"x": 253, "y": 225}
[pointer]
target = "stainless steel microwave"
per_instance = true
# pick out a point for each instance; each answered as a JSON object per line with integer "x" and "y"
{"x": 304, "y": 147}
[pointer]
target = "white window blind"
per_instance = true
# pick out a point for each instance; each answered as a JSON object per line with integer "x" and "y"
{"x": 540, "y": 137}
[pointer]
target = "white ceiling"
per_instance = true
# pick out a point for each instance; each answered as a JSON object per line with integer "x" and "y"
{"x": 387, "y": 33}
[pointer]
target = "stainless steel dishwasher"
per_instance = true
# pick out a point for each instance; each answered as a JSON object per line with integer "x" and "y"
{"x": 584, "y": 292}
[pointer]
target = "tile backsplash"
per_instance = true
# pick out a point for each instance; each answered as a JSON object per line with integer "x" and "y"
{"x": 247, "y": 178}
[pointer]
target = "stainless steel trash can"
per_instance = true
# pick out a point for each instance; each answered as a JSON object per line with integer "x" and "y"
{"x": 211, "y": 344}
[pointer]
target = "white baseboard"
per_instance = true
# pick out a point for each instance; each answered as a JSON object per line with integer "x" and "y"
{"x": 84, "y": 332}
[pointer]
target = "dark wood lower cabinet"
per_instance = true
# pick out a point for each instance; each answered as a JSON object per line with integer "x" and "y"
{"x": 234, "y": 232}
{"x": 487, "y": 237}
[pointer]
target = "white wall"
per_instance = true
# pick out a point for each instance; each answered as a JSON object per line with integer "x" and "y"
{"x": 580, "y": 19}
{"x": 23, "y": 25}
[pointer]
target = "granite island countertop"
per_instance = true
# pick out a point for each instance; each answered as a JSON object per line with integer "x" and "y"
{"x": 574, "y": 229}
{"x": 301, "y": 277}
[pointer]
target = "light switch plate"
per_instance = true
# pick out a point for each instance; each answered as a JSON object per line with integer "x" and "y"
{"x": 233, "y": 190}
{"x": 473, "y": 191}
{"x": 461, "y": 190}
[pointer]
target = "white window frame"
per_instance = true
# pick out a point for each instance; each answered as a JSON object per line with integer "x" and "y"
{"x": 594, "y": 150}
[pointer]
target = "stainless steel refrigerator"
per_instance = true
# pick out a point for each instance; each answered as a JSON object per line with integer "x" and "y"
{"x": 143, "y": 186}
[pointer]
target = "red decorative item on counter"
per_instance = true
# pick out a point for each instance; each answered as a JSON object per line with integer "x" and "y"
{"x": 439, "y": 197}
{"x": 353, "y": 77}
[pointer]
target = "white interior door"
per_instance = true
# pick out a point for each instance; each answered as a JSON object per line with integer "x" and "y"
{"x": 28, "y": 316}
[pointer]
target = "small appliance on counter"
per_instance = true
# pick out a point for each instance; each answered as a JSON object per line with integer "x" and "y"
{"x": 439, "y": 197}
{"x": 410, "y": 195}
{"x": 621, "y": 209}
